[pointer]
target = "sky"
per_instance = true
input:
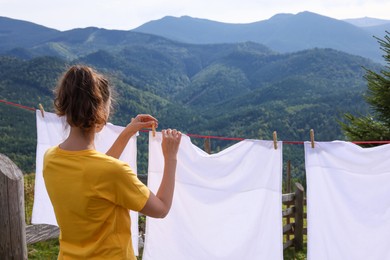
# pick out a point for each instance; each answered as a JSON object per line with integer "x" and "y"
{"x": 128, "y": 14}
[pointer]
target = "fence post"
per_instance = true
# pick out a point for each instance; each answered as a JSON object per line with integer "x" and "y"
{"x": 288, "y": 190}
{"x": 288, "y": 175}
{"x": 12, "y": 219}
{"x": 298, "y": 231}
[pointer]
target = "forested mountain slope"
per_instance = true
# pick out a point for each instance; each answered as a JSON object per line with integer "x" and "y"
{"x": 235, "y": 90}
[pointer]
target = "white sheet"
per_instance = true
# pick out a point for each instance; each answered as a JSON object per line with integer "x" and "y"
{"x": 226, "y": 205}
{"x": 52, "y": 130}
{"x": 348, "y": 201}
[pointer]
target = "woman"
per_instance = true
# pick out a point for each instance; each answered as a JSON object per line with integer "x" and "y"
{"x": 92, "y": 192}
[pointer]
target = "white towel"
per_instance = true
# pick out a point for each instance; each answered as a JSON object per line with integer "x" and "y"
{"x": 226, "y": 205}
{"x": 348, "y": 201}
{"x": 51, "y": 131}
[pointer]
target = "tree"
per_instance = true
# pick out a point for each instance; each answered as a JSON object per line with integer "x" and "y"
{"x": 375, "y": 126}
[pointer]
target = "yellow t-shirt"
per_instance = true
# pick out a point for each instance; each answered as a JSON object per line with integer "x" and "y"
{"x": 91, "y": 194}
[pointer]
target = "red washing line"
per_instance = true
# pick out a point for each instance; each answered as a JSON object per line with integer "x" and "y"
{"x": 207, "y": 136}
{"x": 216, "y": 137}
{"x": 211, "y": 136}
{"x": 17, "y": 105}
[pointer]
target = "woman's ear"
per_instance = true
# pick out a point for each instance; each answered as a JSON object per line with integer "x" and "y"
{"x": 99, "y": 128}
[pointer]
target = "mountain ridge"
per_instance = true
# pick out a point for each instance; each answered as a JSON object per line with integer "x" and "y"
{"x": 281, "y": 32}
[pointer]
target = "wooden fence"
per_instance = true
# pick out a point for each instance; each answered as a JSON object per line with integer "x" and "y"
{"x": 12, "y": 222}
{"x": 15, "y": 235}
{"x": 294, "y": 215}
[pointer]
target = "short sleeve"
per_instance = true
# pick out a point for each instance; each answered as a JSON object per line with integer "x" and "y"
{"x": 121, "y": 186}
{"x": 131, "y": 192}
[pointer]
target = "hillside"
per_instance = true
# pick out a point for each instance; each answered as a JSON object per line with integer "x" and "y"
{"x": 240, "y": 94}
{"x": 236, "y": 90}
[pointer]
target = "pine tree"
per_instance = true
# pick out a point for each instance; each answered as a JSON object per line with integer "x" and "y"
{"x": 376, "y": 126}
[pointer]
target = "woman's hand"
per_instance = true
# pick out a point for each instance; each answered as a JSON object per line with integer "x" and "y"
{"x": 142, "y": 121}
{"x": 136, "y": 124}
{"x": 170, "y": 143}
{"x": 158, "y": 205}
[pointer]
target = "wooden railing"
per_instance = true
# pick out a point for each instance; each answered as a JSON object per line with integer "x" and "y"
{"x": 15, "y": 235}
{"x": 41, "y": 232}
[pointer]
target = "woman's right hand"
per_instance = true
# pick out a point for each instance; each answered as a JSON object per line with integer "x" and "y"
{"x": 170, "y": 143}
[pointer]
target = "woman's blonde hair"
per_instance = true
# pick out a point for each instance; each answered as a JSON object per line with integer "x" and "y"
{"x": 84, "y": 97}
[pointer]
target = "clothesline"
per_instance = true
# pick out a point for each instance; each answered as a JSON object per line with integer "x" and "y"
{"x": 17, "y": 105}
{"x": 207, "y": 136}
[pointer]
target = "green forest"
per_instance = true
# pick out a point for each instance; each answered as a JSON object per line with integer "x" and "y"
{"x": 239, "y": 90}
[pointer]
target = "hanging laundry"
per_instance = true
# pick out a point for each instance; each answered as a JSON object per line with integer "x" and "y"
{"x": 348, "y": 201}
{"x": 226, "y": 205}
{"x": 51, "y": 131}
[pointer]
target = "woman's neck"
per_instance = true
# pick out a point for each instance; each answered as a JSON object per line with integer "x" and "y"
{"x": 79, "y": 139}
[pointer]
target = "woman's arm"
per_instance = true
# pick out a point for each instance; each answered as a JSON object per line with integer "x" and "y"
{"x": 159, "y": 205}
{"x": 136, "y": 124}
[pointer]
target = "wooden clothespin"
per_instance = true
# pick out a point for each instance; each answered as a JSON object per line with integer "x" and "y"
{"x": 154, "y": 129}
{"x": 207, "y": 145}
{"x": 312, "y": 138}
{"x": 275, "y": 136}
{"x": 42, "y": 110}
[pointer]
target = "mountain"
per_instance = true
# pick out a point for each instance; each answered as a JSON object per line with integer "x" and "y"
{"x": 16, "y": 33}
{"x": 298, "y": 85}
{"x": 375, "y": 27}
{"x": 69, "y": 44}
{"x": 282, "y": 32}
{"x": 241, "y": 89}
{"x": 367, "y": 21}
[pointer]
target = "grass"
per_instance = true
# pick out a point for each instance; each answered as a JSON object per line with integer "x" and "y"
{"x": 49, "y": 249}
{"x": 290, "y": 254}
{"x": 42, "y": 250}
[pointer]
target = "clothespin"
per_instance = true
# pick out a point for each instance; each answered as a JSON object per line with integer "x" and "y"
{"x": 42, "y": 110}
{"x": 312, "y": 138}
{"x": 275, "y": 136}
{"x": 207, "y": 145}
{"x": 154, "y": 129}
